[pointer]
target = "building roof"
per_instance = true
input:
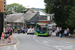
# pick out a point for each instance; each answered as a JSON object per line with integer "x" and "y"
{"x": 36, "y": 10}
{"x": 19, "y": 17}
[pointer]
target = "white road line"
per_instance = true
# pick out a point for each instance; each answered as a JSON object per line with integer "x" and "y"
{"x": 15, "y": 47}
{"x": 50, "y": 40}
{"x": 46, "y": 44}
{"x": 64, "y": 44}
{"x": 57, "y": 47}
{"x": 35, "y": 39}
{"x": 44, "y": 41}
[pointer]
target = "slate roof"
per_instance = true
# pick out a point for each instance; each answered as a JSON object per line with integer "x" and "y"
{"x": 36, "y": 10}
{"x": 19, "y": 17}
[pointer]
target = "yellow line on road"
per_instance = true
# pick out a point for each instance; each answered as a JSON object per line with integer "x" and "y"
{"x": 17, "y": 43}
{"x": 63, "y": 39}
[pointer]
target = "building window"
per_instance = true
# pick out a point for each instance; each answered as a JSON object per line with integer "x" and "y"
{"x": 43, "y": 17}
{"x": 4, "y": 9}
{"x": 4, "y": 5}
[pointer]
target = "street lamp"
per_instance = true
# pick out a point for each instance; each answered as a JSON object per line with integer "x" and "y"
{"x": 23, "y": 19}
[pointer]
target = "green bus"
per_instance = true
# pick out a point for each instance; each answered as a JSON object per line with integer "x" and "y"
{"x": 43, "y": 29}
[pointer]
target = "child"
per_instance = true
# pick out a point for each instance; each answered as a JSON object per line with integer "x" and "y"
{"x": 2, "y": 37}
{"x": 59, "y": 34}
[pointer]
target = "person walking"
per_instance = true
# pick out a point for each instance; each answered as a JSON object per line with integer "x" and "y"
{"x": 10, "y": 34}
{"x": 7, "y": 36}
{"x": 65, "y": 32}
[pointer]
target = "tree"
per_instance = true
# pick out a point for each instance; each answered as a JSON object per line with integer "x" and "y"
{"x": 61, "y": 9}
{"x": 71, "y": 19}
{"x": 16, "y": 7}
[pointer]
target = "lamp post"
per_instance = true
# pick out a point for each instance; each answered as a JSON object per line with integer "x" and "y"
{"x": 23, "y": 19}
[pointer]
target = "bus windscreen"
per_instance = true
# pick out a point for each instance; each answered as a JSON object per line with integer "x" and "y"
{"x": 41, "y": 28}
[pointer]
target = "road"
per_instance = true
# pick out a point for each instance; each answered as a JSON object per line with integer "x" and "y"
{"x": 33, "y": 42}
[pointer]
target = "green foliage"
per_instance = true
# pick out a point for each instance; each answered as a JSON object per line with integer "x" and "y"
{"x": 16, "y": 7}
{"x": 62, "y": 10}
{"x": 71, "y": 18}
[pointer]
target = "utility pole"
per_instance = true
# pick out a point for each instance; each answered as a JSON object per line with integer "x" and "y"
{"x": 25, "y": 23}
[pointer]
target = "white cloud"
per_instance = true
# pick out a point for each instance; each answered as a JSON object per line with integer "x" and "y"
{"x": 28, "y": 3}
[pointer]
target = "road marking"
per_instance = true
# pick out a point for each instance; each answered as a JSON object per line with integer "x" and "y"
{"x": 50, "y": 40}
{"x": 64, "y": 43}
{"x": 68, "y": 47}
{"x": 35, "y": 39}
{"x": 46, "y": 44}
{"x": 15, "y": 47}
{"x": 58, "y": 48}
{"x": 44, "y": 41}
{"x": 17, "y": 43}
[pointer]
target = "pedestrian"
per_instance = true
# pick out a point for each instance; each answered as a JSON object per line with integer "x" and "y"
{"x": 65, "y": 32}
{"x": 13, "y": 30}
{"x": 58, "y": 31}
{"x": 10, "y": 34}
{"x": 53, "y": 29}
{"x": 7, "y": 36}
{"x": 61, "y": 32}
{"x": 2, "y": 37}
{"x": 68, "y": 31}
{"x": 23, "y": 30}
{"x": 18, "y": 31}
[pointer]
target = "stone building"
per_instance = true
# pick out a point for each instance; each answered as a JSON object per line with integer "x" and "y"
{"x": 18, "y": 20}
{"x": 30, "y": 17}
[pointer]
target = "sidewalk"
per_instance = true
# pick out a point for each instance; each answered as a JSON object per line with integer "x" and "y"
{"x": 69, "y": 38}
{"x": 13, "y": 41}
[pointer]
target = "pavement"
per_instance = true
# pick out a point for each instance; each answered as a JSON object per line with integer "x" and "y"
{"x": 13, "y": 41}
{"x": 70, "y": 38}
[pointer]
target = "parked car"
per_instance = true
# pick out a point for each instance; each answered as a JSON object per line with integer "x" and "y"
{"x": 31, "y": 31}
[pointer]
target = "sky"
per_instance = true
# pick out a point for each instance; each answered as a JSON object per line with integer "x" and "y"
{"x": 28, "y": 3}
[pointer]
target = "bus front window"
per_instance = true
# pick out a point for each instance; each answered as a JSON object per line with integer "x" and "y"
{"x": 41, "y": 28}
